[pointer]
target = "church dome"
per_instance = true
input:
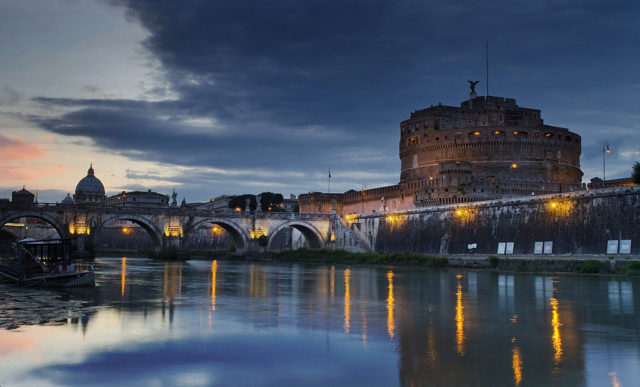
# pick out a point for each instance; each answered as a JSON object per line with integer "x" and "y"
{"x": 89, "y": 189}
{"x": 67, "y": 200}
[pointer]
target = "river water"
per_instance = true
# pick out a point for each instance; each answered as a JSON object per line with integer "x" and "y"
{"x": 226, "y": 323}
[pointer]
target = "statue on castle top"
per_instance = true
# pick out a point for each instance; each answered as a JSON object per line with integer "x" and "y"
{"x": 472, "y": 85}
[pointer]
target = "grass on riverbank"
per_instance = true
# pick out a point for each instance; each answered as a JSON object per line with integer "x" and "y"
{"x": 345, "y": 257}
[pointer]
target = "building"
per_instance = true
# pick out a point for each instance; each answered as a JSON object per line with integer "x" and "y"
{"x": 487, "y": 148}
{"x": 89, "y": 189}
{"x": 290, "y": 204}
{"x": 141, "y": 199}
{"x": 597, "y": 183}
{"x": 23, "y": 196}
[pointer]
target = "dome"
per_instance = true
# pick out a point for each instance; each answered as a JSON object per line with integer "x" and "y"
{"x": 67, "y": 200}
{"x": 90, "y": 188}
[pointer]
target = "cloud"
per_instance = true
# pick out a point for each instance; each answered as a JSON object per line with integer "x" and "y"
{"x": 258, "y": 88}
{"x": 28, "y": 173}
{"x": 9, "y": 96}
{"x": 15, "y": 148}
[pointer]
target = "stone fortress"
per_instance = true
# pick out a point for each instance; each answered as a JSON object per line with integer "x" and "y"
{"x": 487, "y": 148}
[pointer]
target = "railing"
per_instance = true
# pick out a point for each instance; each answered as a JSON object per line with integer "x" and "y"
{"x": 103, "y": 209}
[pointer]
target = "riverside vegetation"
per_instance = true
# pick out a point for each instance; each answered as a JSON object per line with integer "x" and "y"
{"x": 492, "y": 262}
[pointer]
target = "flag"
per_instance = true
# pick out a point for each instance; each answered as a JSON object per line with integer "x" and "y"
{"x": 329, "y": 173}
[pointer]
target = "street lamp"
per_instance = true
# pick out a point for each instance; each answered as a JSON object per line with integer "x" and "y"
{"x": 605, "y": 150}
{"x": 511, "y": 168}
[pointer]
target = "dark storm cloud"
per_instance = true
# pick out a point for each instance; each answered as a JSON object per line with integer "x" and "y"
{"x": 140, "y": 134}
{"x": 294, "y": 85}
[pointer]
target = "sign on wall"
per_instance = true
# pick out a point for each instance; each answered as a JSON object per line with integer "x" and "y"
{"x": 625, "y": 246}
{"x": 537, "y": 247}
{"x": 502, "y": 247}
{"x": 612, "y": 246}
{"x": 509, "y": 249}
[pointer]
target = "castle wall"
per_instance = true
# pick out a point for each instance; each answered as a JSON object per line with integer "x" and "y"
{"x": 576, "y": 223}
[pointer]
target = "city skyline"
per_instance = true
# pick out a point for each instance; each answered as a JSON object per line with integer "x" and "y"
{"x": 215, "y": 99}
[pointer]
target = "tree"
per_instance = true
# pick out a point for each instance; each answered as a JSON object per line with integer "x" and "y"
{"x": 270, "y": 201}
{"x": 635, "y": 176}
{"x": 241, "y": 201}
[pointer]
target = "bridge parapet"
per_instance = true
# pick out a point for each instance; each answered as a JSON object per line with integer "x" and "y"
{"x": 171, "y": 226}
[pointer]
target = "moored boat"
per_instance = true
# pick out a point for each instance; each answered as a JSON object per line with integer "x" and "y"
{"x": 45, "y": 263}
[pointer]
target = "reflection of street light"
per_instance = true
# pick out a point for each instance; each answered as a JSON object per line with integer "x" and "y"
{"x": 511, "y": 168}
{"x": 605, "y": 150}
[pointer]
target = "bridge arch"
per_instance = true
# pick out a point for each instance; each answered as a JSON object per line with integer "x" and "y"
{"x": 54, "y": 221}
{"x": 237, "y": 233}
{"x": 154, "y": 231}
{"x": 311, "y": 234}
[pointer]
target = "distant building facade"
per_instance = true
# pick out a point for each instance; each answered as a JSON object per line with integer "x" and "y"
{"x": 487, "y": 148}
{"x": 597, "y": 183}
{"x": 22, "y": 196}
{"x": 141, "y": 199}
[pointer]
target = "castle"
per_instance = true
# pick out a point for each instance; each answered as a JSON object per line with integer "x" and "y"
{"x": 487, "y": 148}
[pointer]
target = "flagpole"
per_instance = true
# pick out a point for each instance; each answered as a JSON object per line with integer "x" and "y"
{"x": 605, "y": 150}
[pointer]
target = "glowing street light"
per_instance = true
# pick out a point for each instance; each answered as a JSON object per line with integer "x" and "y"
{"x": 511, "y": 168}
{"x": 605, "y": 151}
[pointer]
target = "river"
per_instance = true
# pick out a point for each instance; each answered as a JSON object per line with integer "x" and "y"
{"x": 227, "y": 323}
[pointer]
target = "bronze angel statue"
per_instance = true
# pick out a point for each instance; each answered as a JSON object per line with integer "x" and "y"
{"x": 473, "y": 84}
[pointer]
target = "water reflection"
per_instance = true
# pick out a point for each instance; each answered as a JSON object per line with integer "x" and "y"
{"x": 267, "y": 315}
{"x": 555, "y": 337}
{"x": 516, "y": 364}
{"x": 347, "y": 300}
{"x": 620, "y": 297}
{"x": 459, "y": 319}
{"x": 123, "y": 275}
{"x": 214, "y": 270}
{"x": 390, "y": 304}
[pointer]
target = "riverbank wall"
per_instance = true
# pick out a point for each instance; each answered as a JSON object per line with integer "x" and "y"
{"x": 578, "y": 223}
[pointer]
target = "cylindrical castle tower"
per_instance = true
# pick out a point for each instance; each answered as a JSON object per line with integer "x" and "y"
{"x": 484, "y": 149}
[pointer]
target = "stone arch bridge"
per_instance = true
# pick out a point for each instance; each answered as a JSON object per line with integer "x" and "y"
{"x": 174, "y": 226}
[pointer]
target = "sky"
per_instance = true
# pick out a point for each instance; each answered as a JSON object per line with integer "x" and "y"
{"x": 230, "y": 97}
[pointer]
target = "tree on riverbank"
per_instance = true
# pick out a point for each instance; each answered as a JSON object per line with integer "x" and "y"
{"x": 635, "y": 175}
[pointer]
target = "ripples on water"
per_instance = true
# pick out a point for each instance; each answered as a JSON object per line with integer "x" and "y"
{"x": 224, "y": 323}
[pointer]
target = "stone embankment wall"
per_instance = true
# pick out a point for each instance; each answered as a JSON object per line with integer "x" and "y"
{"x": 576, "y": 223}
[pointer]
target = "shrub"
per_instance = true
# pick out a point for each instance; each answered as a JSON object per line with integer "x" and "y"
{"x": 345, "y": 257}
{"x": 632, "y": 269}
{"x": 493, "y": 260}
{"x": 591, "y": 266}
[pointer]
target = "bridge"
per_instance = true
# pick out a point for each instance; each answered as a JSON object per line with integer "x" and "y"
{"x": 174, "y": 226}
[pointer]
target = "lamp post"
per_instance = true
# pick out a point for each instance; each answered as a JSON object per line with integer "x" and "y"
{"x": 511, "y": 168}
{"x": 605, "y": 150}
